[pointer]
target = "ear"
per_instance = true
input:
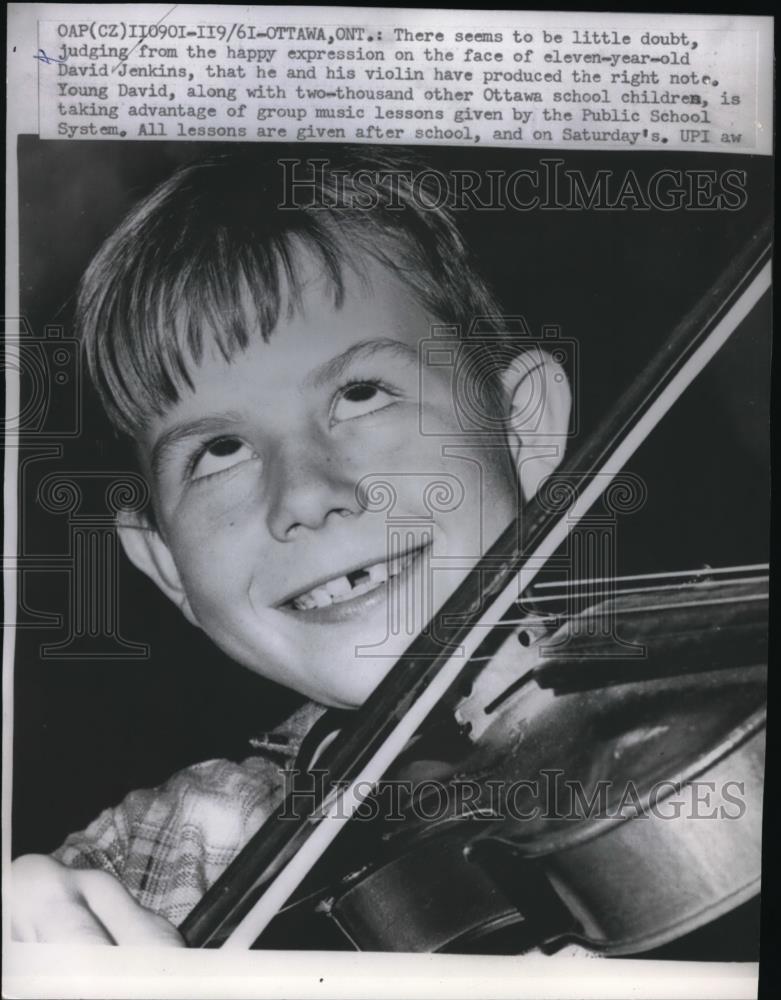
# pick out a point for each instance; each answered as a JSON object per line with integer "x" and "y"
{"x": 539, "y": 402}
{"x": 146, "y": 549}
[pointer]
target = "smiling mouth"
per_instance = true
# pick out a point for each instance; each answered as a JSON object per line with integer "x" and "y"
{"x": 366, "y": 582}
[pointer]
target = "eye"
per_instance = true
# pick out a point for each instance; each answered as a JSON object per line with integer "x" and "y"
{"x": 219, "y": 455}
{"x": 361, "y": 398}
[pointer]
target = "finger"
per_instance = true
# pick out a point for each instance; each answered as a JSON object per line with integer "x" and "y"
{"x": 64, "y": 923}
{"x": 47, "y": 907}
{"x": 125, "y": 919}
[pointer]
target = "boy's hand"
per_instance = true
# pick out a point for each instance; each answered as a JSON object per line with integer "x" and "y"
{"x": 52, "y": 902}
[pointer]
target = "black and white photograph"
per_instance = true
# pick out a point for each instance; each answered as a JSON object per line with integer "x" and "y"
{"x": 388, "y": 531}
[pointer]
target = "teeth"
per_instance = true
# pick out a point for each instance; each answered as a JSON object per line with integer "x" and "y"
{"x": 378, "y": 573}
{"x": 341, "y": 589}
{"x": 321, "y": 597}
{"x": 338, "y": 587}
{"x": 396, "y": 564}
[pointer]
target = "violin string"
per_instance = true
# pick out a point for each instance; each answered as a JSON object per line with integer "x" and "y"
{"x": 691, "y": 604}
{"x": 700, "y": 571}
{"x": 553, "y": 598}
{"x": 627, "y": 611}
{"x": 554, "y": 620}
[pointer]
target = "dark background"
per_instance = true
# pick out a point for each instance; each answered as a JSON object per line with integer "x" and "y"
{"x": 87, "y": 732}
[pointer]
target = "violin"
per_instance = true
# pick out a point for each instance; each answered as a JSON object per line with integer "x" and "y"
{"x": 608, "y": 752}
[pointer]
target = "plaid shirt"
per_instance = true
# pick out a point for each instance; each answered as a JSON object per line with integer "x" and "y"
{"x": 167, "y": 845}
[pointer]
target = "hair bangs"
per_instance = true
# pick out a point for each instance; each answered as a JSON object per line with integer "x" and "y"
{"x": 156, "y": 322}
{"x": 216, "y": 254}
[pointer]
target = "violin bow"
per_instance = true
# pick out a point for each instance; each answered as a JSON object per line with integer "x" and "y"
{"x": 269, "y": 869}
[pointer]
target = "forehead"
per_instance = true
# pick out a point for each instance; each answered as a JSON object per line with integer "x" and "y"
{"x": 376, "y": 309}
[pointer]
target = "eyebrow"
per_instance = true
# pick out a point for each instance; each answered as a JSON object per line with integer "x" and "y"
{"x": 202, "y": 426}
{"x": 332, "y": 369}
{"x": 221, "y": 422}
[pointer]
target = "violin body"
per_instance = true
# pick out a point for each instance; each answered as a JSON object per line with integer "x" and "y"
{"x": 618, "y": 816}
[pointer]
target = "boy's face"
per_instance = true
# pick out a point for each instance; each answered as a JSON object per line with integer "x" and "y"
{"x": 265, "y": 540}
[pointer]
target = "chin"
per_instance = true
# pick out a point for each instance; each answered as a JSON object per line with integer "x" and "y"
{"x": 354, "y": 690}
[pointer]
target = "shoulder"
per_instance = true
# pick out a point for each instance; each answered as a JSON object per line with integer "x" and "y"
{"x": 222, "y": 802}
{"x": 168, "y": 844}
{"x": 201, "y": 795}
{"x": 215, "y": 793}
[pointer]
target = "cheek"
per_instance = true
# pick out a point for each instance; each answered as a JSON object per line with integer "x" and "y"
{"x": 488, "y": 497}
{"x": 390, "y": 463}
{"x": 213, "y": 555}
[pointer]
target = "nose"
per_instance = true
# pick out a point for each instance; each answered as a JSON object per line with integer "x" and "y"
{"x": 309, "y": 487}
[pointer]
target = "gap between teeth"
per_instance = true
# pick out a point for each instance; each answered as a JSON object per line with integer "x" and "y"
{"x": 340, "y": 589}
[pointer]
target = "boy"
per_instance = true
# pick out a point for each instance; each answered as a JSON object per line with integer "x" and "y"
{"x": 259, "y": 341}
